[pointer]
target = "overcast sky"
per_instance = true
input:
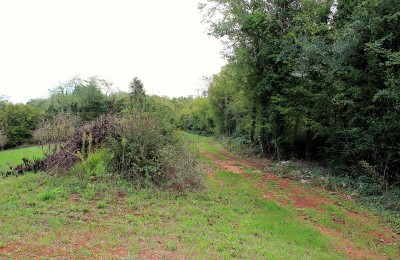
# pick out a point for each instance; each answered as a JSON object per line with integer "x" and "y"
{"x": 44, "y": 42}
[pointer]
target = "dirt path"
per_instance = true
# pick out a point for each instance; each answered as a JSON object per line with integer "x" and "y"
{"x": 304, "y": 199}
{"x": 117, "y": 222}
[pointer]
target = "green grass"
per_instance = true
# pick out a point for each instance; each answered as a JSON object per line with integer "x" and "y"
{"x": 204, "y": 143}
{"x": 229, "y": 220}
{"x": 14, "y": 157}
{"x": 43, "y": 216}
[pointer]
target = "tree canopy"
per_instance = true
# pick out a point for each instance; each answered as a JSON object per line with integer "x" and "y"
{"x": 311, "y": 79}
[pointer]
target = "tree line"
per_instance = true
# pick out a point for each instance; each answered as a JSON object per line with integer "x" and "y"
{"x": 308, "y": 79}
{"x": 79, "y": 101}
{"x": 96, "y": 133}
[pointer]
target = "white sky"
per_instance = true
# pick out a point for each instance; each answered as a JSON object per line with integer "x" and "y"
{"x": 44, "y": 42}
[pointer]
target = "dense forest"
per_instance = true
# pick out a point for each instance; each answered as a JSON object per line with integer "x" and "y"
{"x": 312, "y": 80}
{"x": 315, "y": 80}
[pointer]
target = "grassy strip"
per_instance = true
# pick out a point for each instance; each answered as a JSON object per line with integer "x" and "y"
{"x": 47, "y": 217}
{"x": 202, "y": 142}
{"x": 230, "y": 220}
{"x": 365, "y": 228}
{"x": 14, "y": 157}
{"x": 41, "y": 216}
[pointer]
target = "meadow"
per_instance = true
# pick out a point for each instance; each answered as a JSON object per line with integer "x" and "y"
{"x": 14, "y": 157}
{"x": 65, "y": 217}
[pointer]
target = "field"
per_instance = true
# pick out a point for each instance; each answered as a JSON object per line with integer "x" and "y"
{"x": 14, "y": 156}
{"x": 244, "y": 212}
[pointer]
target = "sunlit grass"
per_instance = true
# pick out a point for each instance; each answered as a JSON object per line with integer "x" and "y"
{"x": 111, "y": 219}
{"x": 203, "y": 142}
{"x": 227, "y": 221}
{"x": 14, "y": 157}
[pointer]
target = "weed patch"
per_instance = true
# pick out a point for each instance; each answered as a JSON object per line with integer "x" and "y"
{"x": 52, "y": 194}
{"x": 364, "y": 189}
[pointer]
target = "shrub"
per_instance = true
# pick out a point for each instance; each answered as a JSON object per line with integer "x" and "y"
{"x": 144, "y": 153}
{"x": 57, "y": 130}
{"x": 133, "y": 147}
{"x": 85, "y": 140}
{"x": 240, "y": 145}
{"x": 179, "y": 167}
{"x": 18, "y": 122}
{"x": 135, "y": 142}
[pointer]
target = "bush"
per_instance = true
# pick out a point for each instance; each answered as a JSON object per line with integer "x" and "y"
{"x": 179, "y": 167}
{"x": 144, "y": 153}
{"x": 18, "y": 122}
{"x": 135, "y": 143}
{"x": 134, "y": 147}
{"x": 83, "y": 142}
{"x": 57, "y": 130}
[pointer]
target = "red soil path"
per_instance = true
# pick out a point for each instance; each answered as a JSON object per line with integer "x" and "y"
{"x": 302, "y": 199}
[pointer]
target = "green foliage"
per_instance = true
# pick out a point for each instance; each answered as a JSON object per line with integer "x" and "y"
{"x": 88, "y": 99}
{"x": 163, "y": 110}
{"x": 18, "y": 123}
{"x": 137, "y": 95}
{"x": 240, "y": 145}
{"x": 302, "y": 82}
{"x": 229, "y": 107}
{"x": 196, "y": 116}
{"x": 93, "y": 167}
{"x": 366, "y": 61}
{"x": 143, "y": 152}
{"x": 92, "y": 102}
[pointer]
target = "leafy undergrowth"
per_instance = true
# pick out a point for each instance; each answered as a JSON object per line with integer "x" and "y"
{"x": 46, "y": 217}
{"x": 364, "y": 189}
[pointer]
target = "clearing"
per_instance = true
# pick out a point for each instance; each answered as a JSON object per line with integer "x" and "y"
{"x": 245, "y": 212}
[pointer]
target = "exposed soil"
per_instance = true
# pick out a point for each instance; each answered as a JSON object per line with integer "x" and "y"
{"x": 226, "y": 165}
{"x": 297, "y": 196}
{"x": 18, "y": 251}
{"x": 273, "y": 188}
{"x": 160, "y": 252}
{"x": 346, "y": 245}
